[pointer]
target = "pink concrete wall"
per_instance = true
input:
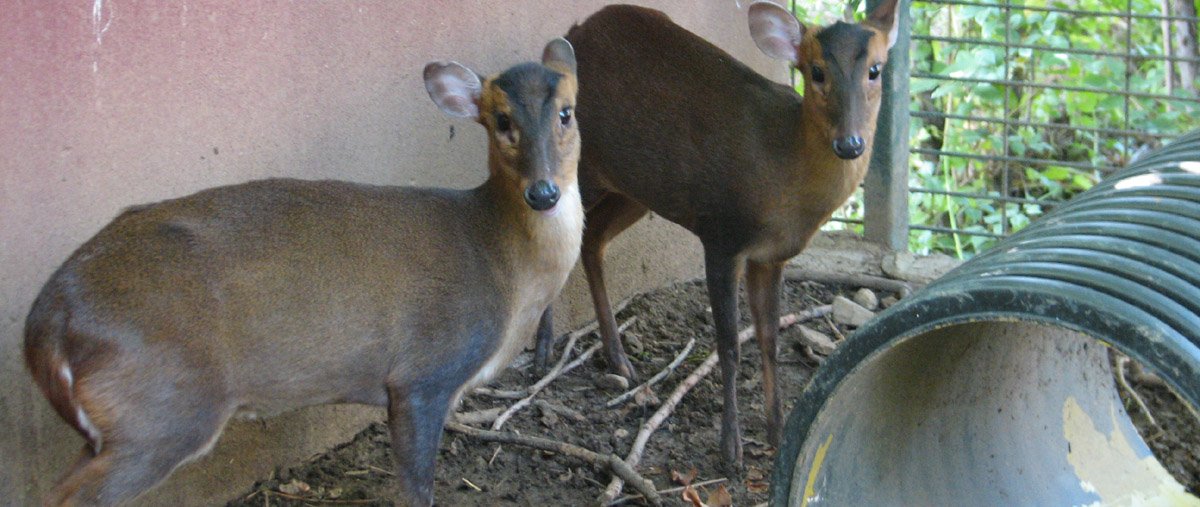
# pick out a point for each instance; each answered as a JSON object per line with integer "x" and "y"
{"x": 108, "y": 103}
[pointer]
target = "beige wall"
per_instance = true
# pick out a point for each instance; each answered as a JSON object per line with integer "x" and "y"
{"x": 108, "y": 103}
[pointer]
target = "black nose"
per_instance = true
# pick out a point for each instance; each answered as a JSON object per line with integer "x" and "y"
{"x": 849, "y": 147}
{"x": 542, "y": 195}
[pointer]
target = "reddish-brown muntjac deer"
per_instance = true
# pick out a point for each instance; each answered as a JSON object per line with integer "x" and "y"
{"x": 674, "y": 125}
{"x": 278, "y": 294}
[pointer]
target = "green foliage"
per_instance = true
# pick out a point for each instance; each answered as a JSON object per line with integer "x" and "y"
{"x": 1074, "y": 158}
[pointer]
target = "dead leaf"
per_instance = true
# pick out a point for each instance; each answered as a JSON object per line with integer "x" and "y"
{"x": 681, "y": 479}
{"x": 690, "y": 496}
{"x": 720, "y": 497}
{"x": 295, "y": 487}
{"x": 757, "y": 486}
{"x": 646, "y": 398}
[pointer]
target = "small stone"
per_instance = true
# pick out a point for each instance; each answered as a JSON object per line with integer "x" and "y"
{"x": 819, "y": 341}
{"x": 549, "y": 418}
{"x": 646, "y": 398}
{"x": 621, "y": 433}
{"x": 888, "y": 301}
{"x": 634, "y": 342}
{"x": 612, "y": 382}
{"x": 849, "y": 313}
{"x": 899, "y": 265}
{"x": 866, "y": 298}
{"x": 923, "y": 269}
{"x": 295, "y": 487}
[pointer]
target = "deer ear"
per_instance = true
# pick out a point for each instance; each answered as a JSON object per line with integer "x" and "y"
{"x": 775, "y": 31}
{"x": 559, "y": 55}
{"x": 454, "y": 88}
{"x": 886, "y": 17}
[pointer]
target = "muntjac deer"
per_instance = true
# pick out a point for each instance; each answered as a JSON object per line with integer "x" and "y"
{"x": 674, "y": 125}
{"x": 279, "y": 294}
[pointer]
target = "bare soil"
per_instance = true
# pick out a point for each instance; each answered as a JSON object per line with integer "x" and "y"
{"x": 471, "y": 472}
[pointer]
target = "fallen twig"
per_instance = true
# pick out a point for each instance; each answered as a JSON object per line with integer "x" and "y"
{"x": 836, "y": 332}
{"x": 1122, "y": 361}
{"x": 269, "y": 492}
{"x": 616, "y": 465}
{"x": 857, "y": 280}
{"x": 503, "y": 394}
{"x": 668, "y": 491}
{"x": 569, "y": 412}
{"x": 494, "y": 454}
{"x": 580, "y": 333}
{"x": 687, "y": 349}
{"x": 652, "y": 424}
{"x": 559, "y": 370}
{"x": 382, "y": 471}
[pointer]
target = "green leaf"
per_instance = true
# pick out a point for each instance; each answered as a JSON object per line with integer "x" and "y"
{"x": 1056, "y": 173}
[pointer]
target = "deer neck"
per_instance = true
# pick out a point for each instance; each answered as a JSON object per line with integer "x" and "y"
{"x": 534, "y": 253}
{"x": 539, "y": 247}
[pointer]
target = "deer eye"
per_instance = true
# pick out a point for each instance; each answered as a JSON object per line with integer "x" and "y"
{"x": 818, "y": 74}
{"x": 873, "y": 72}
{"x": 503, "y": 124}
{"x": 564, "y": 116}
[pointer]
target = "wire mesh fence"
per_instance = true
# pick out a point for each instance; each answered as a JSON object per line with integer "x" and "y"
{"x": 1016, "y": 106}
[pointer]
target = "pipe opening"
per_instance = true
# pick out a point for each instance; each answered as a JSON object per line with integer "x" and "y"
{"x": 981, "y": 413}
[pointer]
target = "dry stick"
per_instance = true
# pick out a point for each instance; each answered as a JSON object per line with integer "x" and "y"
{"x": 676, "y": 489}
{"x": 1121, "y": 362}
{"x": 837, "y": 332}
{"x": 560, "y": 367}
{"x": 472, "y": 485}
{"x": 267, "y": 492}
{"x": 382, "y": 471}
{"x": 503, "y": 394}
{"x": 558, "y": 371}
{"x": 524, "y": 395}
{"x": 564, "y": 411}
{"x": 871, "y": 282}
{"x": 652, "y": 424}
{"x": 656, "y": 378}
{"x": 618, "y": 466}
{"x": 571, "y": 338}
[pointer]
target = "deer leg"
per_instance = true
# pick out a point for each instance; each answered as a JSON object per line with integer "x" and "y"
{"x": 762, "y": 289}
{"x": 152, "y": 433}
{"x": 611, "y": 215}
{"x": 416, "y": 415}
{"x": 722, "y": 277}
{"x": 544, "y": 340}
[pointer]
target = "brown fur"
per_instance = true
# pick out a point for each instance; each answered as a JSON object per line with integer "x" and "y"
{"x": 277, "y": 294}
{"x": 674, "y": 125}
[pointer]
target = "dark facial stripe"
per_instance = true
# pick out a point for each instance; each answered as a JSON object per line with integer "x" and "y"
{"x": 529, "y": 80}
{"x": 531, "y": 89}
{"x": 844, "y": 45}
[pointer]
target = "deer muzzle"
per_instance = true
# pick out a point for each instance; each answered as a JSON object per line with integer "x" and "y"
{"x": 542, "y": 195}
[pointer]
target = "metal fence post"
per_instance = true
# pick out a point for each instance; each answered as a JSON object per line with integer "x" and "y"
{"x": 885, "y": 190}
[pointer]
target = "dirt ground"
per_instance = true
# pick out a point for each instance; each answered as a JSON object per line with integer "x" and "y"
{"x": 471, "y": 472}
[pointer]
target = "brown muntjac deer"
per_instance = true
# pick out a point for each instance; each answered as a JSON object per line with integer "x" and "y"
{"x": 674, "y": 125}
{"x": 278, "y": 294}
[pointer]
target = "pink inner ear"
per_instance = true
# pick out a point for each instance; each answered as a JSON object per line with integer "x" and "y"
{"x": 779, "y": 47}
{"x": 457, "y": 103}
